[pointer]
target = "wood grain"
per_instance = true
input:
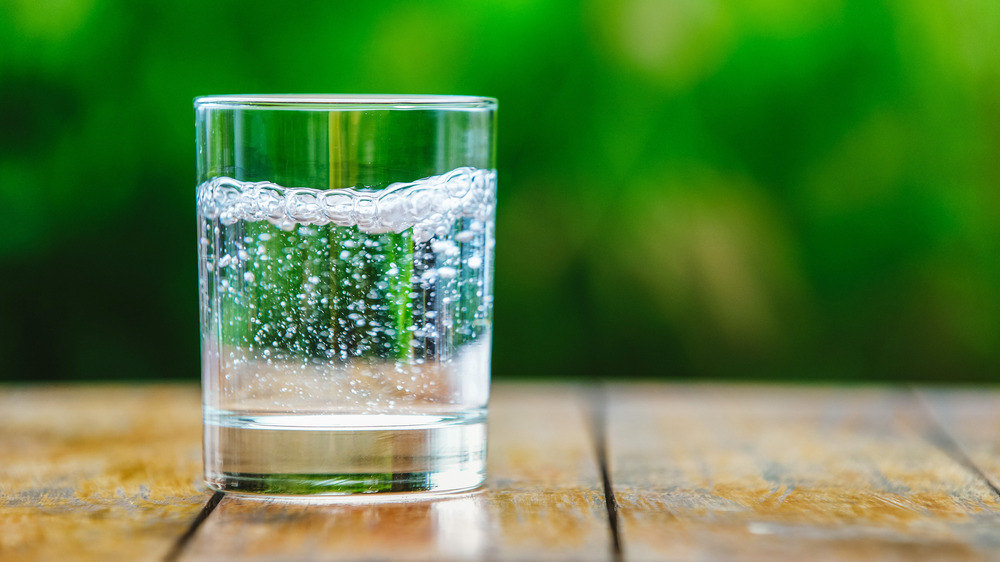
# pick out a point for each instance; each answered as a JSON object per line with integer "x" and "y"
{"x": 764, "y": 472}
{"x": 98, "y": 472}
{"x": 543, "y": 501}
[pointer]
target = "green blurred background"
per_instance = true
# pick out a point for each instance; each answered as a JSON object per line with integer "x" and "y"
{"x": 769, "y": 189}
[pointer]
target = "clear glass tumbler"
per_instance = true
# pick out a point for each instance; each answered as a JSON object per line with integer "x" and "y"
{"x": 346, "y": 277}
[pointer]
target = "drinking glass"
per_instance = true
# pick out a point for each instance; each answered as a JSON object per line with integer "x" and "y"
{"x": 346, "y": 278}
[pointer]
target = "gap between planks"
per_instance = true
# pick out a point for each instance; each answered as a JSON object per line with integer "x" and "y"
{"x": 598, "y": 418}
{"x": 939, "y": 436}
{"x": 184, "y": 539}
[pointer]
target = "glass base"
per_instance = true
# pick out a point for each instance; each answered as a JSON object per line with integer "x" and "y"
{"x": 337, "y": 454}
{"x": 343, "y": 484}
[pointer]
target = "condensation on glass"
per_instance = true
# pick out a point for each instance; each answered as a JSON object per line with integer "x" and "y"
{"x": 346, "y": 275}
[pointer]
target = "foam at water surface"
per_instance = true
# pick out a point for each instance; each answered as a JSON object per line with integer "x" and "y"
{"x": 429, "y": 206}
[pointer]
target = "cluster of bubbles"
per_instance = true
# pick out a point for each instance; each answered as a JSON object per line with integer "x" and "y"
{"x": 429, "y": 206}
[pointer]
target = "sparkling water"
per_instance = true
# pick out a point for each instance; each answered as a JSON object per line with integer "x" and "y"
{"x": 345, "y": 334}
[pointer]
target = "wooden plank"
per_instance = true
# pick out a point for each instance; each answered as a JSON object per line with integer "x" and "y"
{"x": 970, "y": 420}
{"x": 98, "y": 472}
{"x": 543, "y": 501}
{"x": 764, "y": 472}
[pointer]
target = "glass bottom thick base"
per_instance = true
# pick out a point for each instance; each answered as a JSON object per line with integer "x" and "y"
{"x": 343, "y": 454}
{"x": 342, "y": 484}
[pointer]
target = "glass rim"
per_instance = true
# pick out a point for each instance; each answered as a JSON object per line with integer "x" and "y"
{"x": 334, "y": 102}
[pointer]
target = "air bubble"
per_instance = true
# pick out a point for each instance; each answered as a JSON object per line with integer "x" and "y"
{"x": 422, "y": 234}
{"x": 228, "y": 217}
{"x": 442, "y": 246}
{"x": 270, "y": 203}
{"x": 458, "y": 184}
{"x": 338, "y": 208}
{"x": 365, "y": 212}
{"x": 302, "y": 205}
{"x": 392, "y": 212}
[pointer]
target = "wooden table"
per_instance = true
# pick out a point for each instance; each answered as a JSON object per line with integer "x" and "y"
{"x": 634, "y": 472}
